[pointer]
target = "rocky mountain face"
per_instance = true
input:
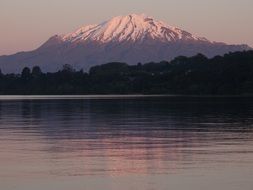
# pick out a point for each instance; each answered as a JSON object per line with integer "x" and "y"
{"x": 131, "y": 39}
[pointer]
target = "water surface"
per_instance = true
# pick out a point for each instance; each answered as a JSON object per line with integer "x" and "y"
{"x": 122, "y": 143}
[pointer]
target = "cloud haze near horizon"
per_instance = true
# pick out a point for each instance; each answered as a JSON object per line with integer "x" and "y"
{"x": 26, "y": 24}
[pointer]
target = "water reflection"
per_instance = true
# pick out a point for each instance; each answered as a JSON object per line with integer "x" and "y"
{"x": 124, "y": 137}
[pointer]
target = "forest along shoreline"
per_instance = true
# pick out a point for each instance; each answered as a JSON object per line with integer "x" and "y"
{"x": 228, "y": 75}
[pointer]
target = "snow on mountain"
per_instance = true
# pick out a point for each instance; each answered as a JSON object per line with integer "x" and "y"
{"x": 129, "y": 28}
{"x": 131, "y": 39}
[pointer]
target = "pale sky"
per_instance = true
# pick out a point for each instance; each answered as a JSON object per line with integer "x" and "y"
{"x": 26, "y": 24}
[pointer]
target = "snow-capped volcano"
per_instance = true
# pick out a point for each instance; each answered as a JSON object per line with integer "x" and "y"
{"x": 130, "y": 28}
{"x": 131, "y": 39}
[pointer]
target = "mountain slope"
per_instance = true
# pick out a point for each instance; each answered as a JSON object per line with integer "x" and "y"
{"x": 133, "y": 38}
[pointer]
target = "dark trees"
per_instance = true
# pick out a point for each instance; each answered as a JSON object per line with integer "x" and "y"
{"x": 36, "y": 71}
{"x": 228, "y": 74}
{"x": 26, "y": 73}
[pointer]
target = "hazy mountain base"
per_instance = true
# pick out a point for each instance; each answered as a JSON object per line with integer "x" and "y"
{"x": 84, "y": 56}
{"x": 231, "y": 74}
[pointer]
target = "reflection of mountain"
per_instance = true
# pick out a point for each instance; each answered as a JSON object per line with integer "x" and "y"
{"x": 119, "y": 116}
{"x": 128, "y": 136}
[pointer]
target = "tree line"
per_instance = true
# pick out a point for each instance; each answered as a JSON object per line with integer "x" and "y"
{"x": 231, "y": 74}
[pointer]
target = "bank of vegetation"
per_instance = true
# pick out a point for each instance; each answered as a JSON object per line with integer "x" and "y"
{"x": 231, "y": 74}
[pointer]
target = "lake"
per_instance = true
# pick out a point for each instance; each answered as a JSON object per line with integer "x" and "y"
{"x": 126, "y": 143}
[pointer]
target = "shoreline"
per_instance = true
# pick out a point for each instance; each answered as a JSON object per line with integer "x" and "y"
{"x": 114, "y": 96}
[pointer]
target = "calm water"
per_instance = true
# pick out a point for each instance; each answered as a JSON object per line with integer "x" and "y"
{"x": 137, "y": 143}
